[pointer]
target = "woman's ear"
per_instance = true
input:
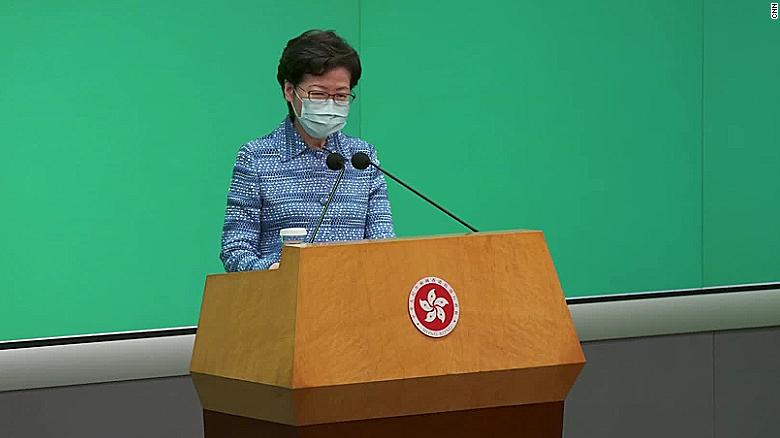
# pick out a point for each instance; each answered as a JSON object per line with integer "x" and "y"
{"x": 288, "y": 91}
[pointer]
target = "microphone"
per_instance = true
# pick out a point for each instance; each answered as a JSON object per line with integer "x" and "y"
{"x": 334, "y": 161}
{"x": 361, "y": 161}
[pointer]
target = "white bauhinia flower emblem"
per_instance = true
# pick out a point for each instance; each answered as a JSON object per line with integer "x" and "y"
{"x": 438, "y": 303}
{"x": 434, "y": 306}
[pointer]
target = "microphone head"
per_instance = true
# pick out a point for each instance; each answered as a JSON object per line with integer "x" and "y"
{"x": 335, "y": 161}
{"x": 360, "y": 161}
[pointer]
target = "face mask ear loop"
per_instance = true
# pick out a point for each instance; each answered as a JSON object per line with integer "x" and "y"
{"x": 295, "y": 91}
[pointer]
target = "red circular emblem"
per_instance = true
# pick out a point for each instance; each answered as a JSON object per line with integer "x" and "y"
{"x": 434, "y": 307}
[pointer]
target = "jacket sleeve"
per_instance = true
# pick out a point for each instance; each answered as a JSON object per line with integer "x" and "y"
{"x": 242, "y": 228}
{"x": 379, "y": 220}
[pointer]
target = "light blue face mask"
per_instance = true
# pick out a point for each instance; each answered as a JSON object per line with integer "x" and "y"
{"x": 321, "y": 118}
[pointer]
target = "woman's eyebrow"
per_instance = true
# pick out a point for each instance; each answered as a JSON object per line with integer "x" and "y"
{"x": 325, "y": 88}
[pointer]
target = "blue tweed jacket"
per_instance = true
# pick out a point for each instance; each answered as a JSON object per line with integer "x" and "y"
{"x": 279, "y": 182}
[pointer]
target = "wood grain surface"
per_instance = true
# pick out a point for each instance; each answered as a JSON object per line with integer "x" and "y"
{"x": 393, "y": 398}
{"x": 247, "y": 325}
{"x": 332, "y": 326}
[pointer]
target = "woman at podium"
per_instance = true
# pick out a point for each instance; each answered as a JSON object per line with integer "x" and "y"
{"x": 281, "y": 180}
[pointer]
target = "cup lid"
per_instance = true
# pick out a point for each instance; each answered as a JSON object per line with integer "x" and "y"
{"x": 292, "y": 232}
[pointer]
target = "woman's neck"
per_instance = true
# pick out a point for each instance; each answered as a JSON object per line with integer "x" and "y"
{"x": 314, "y": 143}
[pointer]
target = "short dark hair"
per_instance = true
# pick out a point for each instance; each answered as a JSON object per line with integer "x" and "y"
{"x": 316, "y": 52}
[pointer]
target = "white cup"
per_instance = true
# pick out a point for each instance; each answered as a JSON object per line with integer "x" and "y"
{"x": 292, "y": 235}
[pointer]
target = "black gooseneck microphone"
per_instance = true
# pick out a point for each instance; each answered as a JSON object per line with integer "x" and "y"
{"x": 361, "y": 161}
{"x": 335, "y": 161}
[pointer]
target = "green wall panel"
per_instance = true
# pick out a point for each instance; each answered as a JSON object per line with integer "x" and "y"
{"x": 120, "y": 127}
{"x": 741, "y": 143}
{"x": 581, "y": 121}
{"x": 121, "y": 124}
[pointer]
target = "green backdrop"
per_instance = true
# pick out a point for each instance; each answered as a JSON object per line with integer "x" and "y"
{"x": 641, "y": 137}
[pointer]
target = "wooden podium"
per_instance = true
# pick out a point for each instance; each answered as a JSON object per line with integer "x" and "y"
{"x": 326, "y": 346}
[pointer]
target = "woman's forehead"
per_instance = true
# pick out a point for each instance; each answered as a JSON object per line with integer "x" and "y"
{"x": 335, "y": 78}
